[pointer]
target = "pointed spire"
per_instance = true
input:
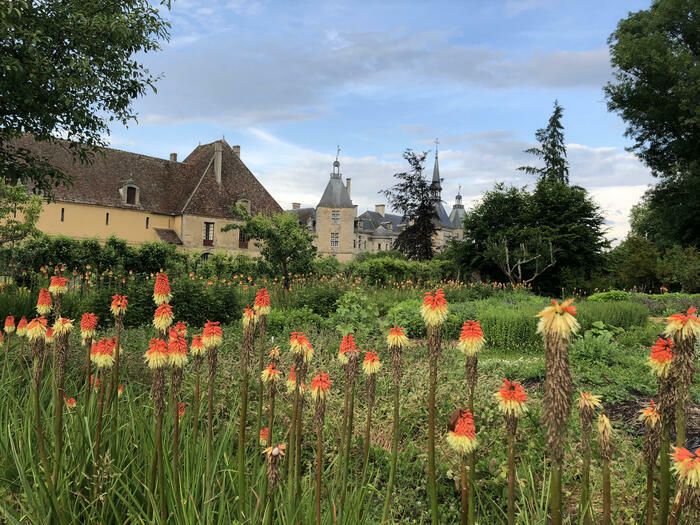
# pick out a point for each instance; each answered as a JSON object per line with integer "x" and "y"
{"x": 335, "y": 174}
{"x": 436, "y": 167}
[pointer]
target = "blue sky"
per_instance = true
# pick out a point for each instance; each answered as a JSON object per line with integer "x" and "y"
{"x": 291, "y": 80}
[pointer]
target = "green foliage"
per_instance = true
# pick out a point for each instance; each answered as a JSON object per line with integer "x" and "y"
{"x": 58, "y": 79}
{"x": 635, "y": 263}
{"x": 552, "y": 150}
{"x": 281, "y": 322}
{"x": 320, "y": 298}
{"x": 19, "y": 212}
{"x": 325, "y": 266}
{"x": 655, "y": 89}
{"x": 622, "y": 314}
{"x": 680, "y": 268}
{"x": 610, "y": 295}
{"x": 357, "y": 314}
{"x": 414, "y": 197}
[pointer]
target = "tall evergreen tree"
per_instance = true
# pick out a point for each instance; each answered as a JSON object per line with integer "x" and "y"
{"x": 552, "y": 150}
{"x": 413, "y": 196}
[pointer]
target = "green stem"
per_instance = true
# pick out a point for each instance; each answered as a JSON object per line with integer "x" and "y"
{"x": 262, "y": 329}
{"x": 368, "y": 428}
{"x": 555, "y": 494}
{"x": 319, "y": 469}
{"x": 242, "y": 494}
{"x": 59, "y": 394}
{"x": 115, "y": 369}
{"x": 511, "y": 478}
{"x": 394, "y": 455}
{"x": 432, "y": 482}
{"x": 197, "y": 395}
{"x": 586, "y": 478}
{"x": 607, "y": 496}
{"x": 160, "y": 467}
{"x": 174, "y": 401}
{"x": 348, "y": 446}
{"x": 665, "y": 479}
{"x": 292, "y": 444}
{"x": 463, "y": 491}
{"x": 650, "y": 496}
{"x": 98, "y": 433}
{"x": 297, "y": 453}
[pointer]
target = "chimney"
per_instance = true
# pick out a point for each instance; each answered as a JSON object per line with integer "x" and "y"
{"x": 356, "y": 209}
{"x": 218, "y": 153}
{"x": 379, "y": 208}
{"x": 173, "y": 157}
{"x": 296, "y": 205}
{"x": 237, "y": 150}
{"x": 348, "y": 185}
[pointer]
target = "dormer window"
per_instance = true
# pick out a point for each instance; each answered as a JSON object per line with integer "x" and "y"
{"x": 130, "y": 194}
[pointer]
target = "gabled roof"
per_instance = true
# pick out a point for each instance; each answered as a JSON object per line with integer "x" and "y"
{"x": 304, "y": 214}
{"x": 165, "y": 186}
{"x": 444, "y": 219}
{"x": 335, "y": 195}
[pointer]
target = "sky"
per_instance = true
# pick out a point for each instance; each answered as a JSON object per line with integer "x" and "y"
{"x": 291, "y": 80}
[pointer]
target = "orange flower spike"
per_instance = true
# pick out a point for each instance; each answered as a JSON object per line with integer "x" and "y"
{"x": 471, "y": 338}
{"x": 320, "y": 385}
{"x": 462, "y": 432}
{"x": 264, "y": 436}
{"x": 212, "y": 335}
{"x": 558, "y": 319}
{"x": 119, "y": 304}
{"x": 347, "y": 347}
{"x": 511, "y": 398}
{"x": 397, "y": 338}
{"x": 102, "y": 353}
{"x": 181, "y": 407}
{"x": 36, "y": 329}
{"x": 22, "y": 327}
{"x": 58, "y": 285}
{"x": 292, "y": 379}
{"x": 197, "y": 346}
{"x": 685, "y": 325}
{"x": 49, "y": 336}
{"x": 181, "y": 328}
{"x": 120, "y": 390}
{"x": 43, "y": 303}
{"x": 434, "y": 308}
{"x": 661, "y": 357}
{"x": 161, "y": 289}
{"x": 249, "y": 318}
{"x": 650, "y": 415}
{"x": 270, "y": 374}
{"x": 63, "y": 326}
{"x": 177, "y": 350}
{"x": 262, "y": 302}
{"x": 9, "y": 327}
{"x": 300, "y": 344}
{"x": 686, "y": 465}
{"x": 588, "y": 401}
{"x": 163, "y": 317}
{"x": 71, "y": 403}
{"x": 88, "y": 326}
{"x": 157, "y": 354}
{"x": 371, "y": 363}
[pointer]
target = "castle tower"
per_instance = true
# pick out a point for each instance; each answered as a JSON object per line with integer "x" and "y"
{"x": 335, "y": 217}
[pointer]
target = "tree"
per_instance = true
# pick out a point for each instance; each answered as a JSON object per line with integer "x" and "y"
{"x": 655, "y": 90}
{"x": 552, "y": 150}
{"x": 635, "y": 263}
{"x": 68, "y": 69}
{"x": 681, "y": 267}
{"x": 19, "y": 212}
{"x": 414, "y": 198}
{"x": 284, "y": 243}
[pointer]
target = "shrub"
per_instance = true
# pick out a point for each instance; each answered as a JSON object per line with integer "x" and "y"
{"x": 320, "y": 298}
{"x": 624, "y": 314}
{"x": 325, "y": 266}
{"x": 281, "y": 322}
{"x": 611, "y": 295}
{"x": 356, "y": 313}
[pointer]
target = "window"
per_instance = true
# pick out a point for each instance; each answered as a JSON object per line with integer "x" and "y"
{"x": 204, "y": 256}
{"x": 242, "y": 240}
{"x": 335, "y": 216}
{"x": 131, "y": 195}
{"x": 335, "y": 240}
{"x": 63, "y": 214}
{"x": 354, "y": 243}
{"x": 148, "y": 222}
{"x": 379, "y": 247}
{"x": 107, "y": 219}
{"x": 208, "y": 234}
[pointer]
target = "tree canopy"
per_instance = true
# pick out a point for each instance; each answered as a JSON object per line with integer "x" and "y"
{"x": 656, "y": 88}
{"x": 551, "y": 150}
{"x": 67, "y": 70}
{"x": 413, "y": 196}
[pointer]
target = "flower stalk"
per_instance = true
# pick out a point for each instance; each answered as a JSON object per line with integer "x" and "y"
{"x": 320, "y": 385}
{"x": 212, "y": 337}
{"x": 606, "y": 450}
{"x": 587, "y": 405}
{"x": 461, "y": 437}
{"x": 650, "y": 417}
{"x": 370, "y": 366}
{"x": 396, "y": 341}
{"x": 249, "y": 322}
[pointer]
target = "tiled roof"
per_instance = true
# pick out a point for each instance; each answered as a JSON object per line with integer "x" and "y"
{"x": 165, "y": 186}
{"x": 167, "y": 235}
{"x": 335, "y": 195}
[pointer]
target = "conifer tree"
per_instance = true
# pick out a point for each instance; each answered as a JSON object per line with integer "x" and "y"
{"x": 552, "y": 150}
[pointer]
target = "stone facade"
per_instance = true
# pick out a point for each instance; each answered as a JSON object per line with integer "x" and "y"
{"x": 342, "y": 233}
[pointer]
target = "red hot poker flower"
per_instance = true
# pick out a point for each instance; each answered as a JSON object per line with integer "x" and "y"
{"x": 157, "y": 354}
{"x": 43, "y": 303}
{"x": 161, "y": 289}
{"x": 22, "y": 327}
{"x": 292, "y": 379}
{"x": 36, "y": 329}
{"x": 88, "y": 326}
{"x": 177, "y": 349}
{"x": 197, "y": 346}
{"x": 264, "y": 436}
{"x": 119, "y": 304}
{"x": 511, "y": 398}
{"x": 58, "y": 285}
{"x": 347, "y": 348}
{"x": 462, "y": 432}
{"x": 371, "y": 363}
{"x": 661, "y": 356}
{"x": 270, "y": 374}
{"x": 163, "y": 317}
{"x": 212, "y": 335}
{"x": 685, "y": 325}
{"x": 397, "y": 338}
{"x": 102, "y": 352}
{"x": 262, "y": 302}
{"x": 686, "y": 465}
{"x": 320, "y": 385}
{"x": 71, "y": 403}
{"x": 9, "y": 324}
{"x": 434, "y": 308}
{"x": 471, "y": 338}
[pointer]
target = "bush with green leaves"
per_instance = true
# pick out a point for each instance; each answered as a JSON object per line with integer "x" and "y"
{"x": 356, "y": 313}
{"x": 624, "y": 314}
{"x": 610, "y": 295}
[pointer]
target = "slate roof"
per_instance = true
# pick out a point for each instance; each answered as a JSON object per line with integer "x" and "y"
{"x": 304, "y": 214}
{"x": 442, "y": 215}
{"x": 335, "y": 195}
{"x": 167, "y": 235}
{"x": 165, "y": 186}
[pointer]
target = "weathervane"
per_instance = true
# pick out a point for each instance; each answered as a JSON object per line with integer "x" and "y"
{"x": 436, "y": 141}
{"x": 337, "y": 153}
